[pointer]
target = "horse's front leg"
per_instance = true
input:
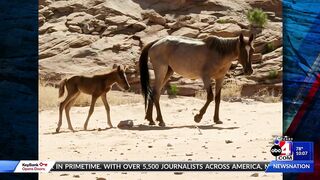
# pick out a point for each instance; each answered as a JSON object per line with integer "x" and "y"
{"x": 207, "y": 85}
{"x": 107, "y": 107}
{"x": 217, "y": 100}
{"x": 93, "y": 102}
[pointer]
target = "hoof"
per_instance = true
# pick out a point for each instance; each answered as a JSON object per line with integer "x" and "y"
{"x": 218, "y": 122}
{"x": 197, "y": 118}
{"x": 71, "y": 129}
{"x": 151, "y": 123}
{"x": 57, "y": 130}
{"x": 162, "y": 124}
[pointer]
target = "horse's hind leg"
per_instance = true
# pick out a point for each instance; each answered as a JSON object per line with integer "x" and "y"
{"x": 207, "y": 85}
{"x": 93, "y": 102}
{"x": 150, "y": 102}
{"x": 168, "y": 75}
{"x": 160, "y": 74}
{"x": 68, "y": 107}
{"x": 149, "y": 112}
{"x": 217, "y": 100}
{"x": 63, "y": 104}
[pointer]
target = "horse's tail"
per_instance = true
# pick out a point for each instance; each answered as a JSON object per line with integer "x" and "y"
{"x": 144, "y": 72}
{"x": 61, "y": 87}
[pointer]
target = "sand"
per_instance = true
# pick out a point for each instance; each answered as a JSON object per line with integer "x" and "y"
{"x": 249, "y": 127}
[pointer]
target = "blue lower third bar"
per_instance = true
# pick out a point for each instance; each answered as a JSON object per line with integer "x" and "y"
{"x": 291, "y": 166}
{"x": 8, "y": 166}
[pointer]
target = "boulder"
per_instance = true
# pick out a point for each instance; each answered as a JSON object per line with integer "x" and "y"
{"x": 41, "y": 20}
{"x": 224, "y": 30}
{"x": 151, "y": 33}
{"x": 267, "y": 5}
{"x": 84, "y": 53}
{"x": 120, "y": 23}
{"x": 86, "y": 22}
{"x": 185, "y": 31}
{"x": 126, "y": 124}
{"x": 154, "y": 17}
{"x": 272, "y": 55}
{"x": 256, "y": 58}
{"x": 249, "y": 90}
{"x": 74, "y": 28}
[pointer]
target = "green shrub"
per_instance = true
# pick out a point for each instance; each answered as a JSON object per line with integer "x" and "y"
{"x": 270, "y": 47}
{"x": 273, "y": 74}
{"x": 173, "y": 90}
{"x": 257, "y": 17}
{"x": 223, "y": 21}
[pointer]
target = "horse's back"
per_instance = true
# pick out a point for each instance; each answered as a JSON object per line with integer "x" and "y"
{"x": 180, "y": 41}
{"x": 184, "y": 55}
{"x": 85, "y": 84}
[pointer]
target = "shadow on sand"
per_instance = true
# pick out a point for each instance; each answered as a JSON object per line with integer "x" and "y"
{"x": 142, "y": 127}
{"x": 68, "y": 131}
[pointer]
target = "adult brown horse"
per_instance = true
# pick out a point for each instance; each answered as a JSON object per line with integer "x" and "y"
{"x": 192, "y": 58}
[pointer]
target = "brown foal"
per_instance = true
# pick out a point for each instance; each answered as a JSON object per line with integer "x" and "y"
{"x": 96, "y": 86}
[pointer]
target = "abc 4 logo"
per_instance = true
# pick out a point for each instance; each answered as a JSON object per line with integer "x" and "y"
{"x": 283, "y": 151}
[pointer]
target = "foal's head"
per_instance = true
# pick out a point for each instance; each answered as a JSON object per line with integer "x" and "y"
{"x": 245, "y": 53}
{"x": 122, "y": 78}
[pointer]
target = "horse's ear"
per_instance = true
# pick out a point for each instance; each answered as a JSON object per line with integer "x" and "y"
{"x": 114, "y": 66}
{"x": 241, "y": 38}
{"x": 251, "y": 38}
{"x": 119, "y": 68}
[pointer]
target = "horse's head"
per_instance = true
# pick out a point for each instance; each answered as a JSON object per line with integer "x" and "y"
{"x": 245, "y": 52}
{"x": 122, "y": 78}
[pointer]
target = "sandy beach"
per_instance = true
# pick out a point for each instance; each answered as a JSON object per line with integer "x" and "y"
{"x": 245, "y": 135}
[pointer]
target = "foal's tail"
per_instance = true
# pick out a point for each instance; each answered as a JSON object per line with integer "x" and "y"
{"x": 61, "y": 87}
{"x": 144, "y": 72}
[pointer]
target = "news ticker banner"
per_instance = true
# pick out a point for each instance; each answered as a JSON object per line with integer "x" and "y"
{"x": 290, "y": 157}
{"x": 60, "y": 166}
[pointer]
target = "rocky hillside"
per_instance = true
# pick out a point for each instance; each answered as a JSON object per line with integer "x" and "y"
{"x": 86, "y": 36}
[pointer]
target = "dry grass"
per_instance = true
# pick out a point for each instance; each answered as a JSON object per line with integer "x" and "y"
{"x": 232, "y": 92}
{"x": 268, "y": 97}
{"x": 48, "y": 98}
{"x": 229, "y": 92}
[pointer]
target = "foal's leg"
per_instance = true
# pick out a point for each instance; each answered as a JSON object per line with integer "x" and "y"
{"x": 217, "y": 100}
{"x": 93, "y": 102}
{"x": 67, "y": 109}
{"x": 207, "y": 85}
{"x": 106, "y": 105}
{"x": 71, "y": 93}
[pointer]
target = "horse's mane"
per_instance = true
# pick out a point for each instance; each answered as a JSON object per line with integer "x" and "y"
{"x": 223, "y": 46}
